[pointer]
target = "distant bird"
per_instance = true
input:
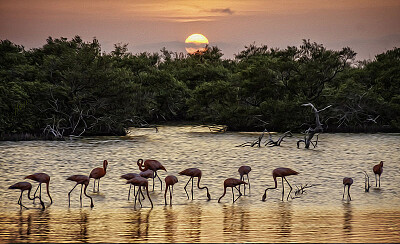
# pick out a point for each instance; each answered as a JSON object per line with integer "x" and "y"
{"x": 153, "y": 165}
{"x": 25, "y": 186}
{"x": 140, "y": 181}
{"x": 41, "y": 178}
{"x": 378, "y": 169}
{"x": 347, "y": 182}
{"x": 98, "y": 173}
{"x": 128, "y": 177}
{"x": 244, "y": 170}
{"x": 194, "y": 172}
{"x": 281, "y": 172}
{"x": 170, "y": 181}
{"x": 231, "y": 182}
{"x": 80, "y": 180}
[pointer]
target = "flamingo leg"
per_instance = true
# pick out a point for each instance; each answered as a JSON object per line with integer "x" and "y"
{"x": 140, "y": 189}
{"x": 376, "y": 181}
{"x": 40, "y": 191}
{"x": 348, "y": 192}
{"x": 186, "y": 186}
{"x": 94, "y": 185}
{"x": 154, "y": 175}
{"x": 170, "y": 194}
{"x": 98, "y": 185}
{"x": 80, "y": 197}
{"x": 34, "y": 194}
{"x": 165, "y": 195}
{"x": 379, "y": 181}
{"x": 69, "y": 193}
{"x": 20, "y": 201}
{"x": 137, "y": 192}
{"x": 192, "y": 186}
{"x": 240, "y": 194}
{"x": 233, "y": 196}
{"x": 283, "y": 189}
{"x": 129, "y": 193}
{"x": 290, "y": 188}
{"x": 159, "y": 179}
{"x": 248, "y": 181}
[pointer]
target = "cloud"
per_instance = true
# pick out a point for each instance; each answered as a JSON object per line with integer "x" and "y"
{"x": 222, "y": 11}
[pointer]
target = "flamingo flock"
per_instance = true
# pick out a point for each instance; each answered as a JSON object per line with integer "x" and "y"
{"x": 148, "y": 169}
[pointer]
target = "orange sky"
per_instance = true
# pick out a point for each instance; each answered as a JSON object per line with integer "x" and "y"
{"x": 368, "y": 26}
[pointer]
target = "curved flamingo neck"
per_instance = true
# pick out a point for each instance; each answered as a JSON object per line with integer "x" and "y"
{"x": 48, "y": 193}
{"x": 222, "y": 194}
{"x": 91, "y": 200}
{"x": 140, "y": 164}
{"x": 198, "y": 185}
{"x": 276, "y": 183}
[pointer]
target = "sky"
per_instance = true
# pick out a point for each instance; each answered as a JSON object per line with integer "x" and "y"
{"x": 369, "y": 27}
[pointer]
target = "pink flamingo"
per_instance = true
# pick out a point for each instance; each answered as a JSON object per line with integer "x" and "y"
{"x": 194, "y": 172}
{"x": 378, "y": 169}
{"x": 153, "y": 165}
{"x": 128, "y": 177}
{"x": 140, "y": 181}
{"x": 98, "y": 173}
{"x": 41, "y": 178}
{"x": 170, "y": 181}
{"x": 80, "y": 180}
{"x": 281, "y": 172}
{"x": 231, "y": 182}
{"x": 25, "y": 186}
{"x": 347, "y": 182}
{"x": 244, "y": 170}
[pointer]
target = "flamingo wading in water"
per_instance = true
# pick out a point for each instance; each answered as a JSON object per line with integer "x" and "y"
{"x": 140, "y": 181}
{"x": 194, "y": 172}
{"x": 98, "y": 173}
{"x": 231, "y": 182}
{"x": 378, "y": 169}
{"x": 41, "y": 178}
{"x": 25, "y": 186}
{"x": 244, "y": 170}
{"x": 152, "y": 165}
{"x": 170, "y": 181}
{"x": 281, "y": 172}
{"x": 80, "y": 180}
{"x": 347, "y": 182}
{"x": 128, "y": 177}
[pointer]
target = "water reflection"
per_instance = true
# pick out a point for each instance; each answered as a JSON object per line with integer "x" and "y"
{"x": 192, "y": 217}
{"x": 347, "y": 218}
{"x": 170, "y": 224}
{"x": 285, "y": 213}
{"x": 139, "y": 224}
{"x": 236, "y": 222}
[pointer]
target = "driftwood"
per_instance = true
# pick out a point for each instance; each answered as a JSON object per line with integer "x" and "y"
{"x": 301, "y": 190}
{"x": 269, "y": 142}
{"x": 311, "y": 132}
{"x": 273, "y": 143}
{"x": 366, "y": 182}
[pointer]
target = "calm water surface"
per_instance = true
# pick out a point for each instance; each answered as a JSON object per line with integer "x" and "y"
{"x": 319, "y": 215}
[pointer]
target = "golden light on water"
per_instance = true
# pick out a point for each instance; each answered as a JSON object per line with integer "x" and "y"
{"x": 196, "y": 43}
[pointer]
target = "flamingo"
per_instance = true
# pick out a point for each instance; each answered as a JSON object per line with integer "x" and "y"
{"x": 170, "y": 181}
{"x": 98, "y": 173}
{"x": 244, "y": 170}
{"x": 140, "y": 181}
{"x": 153, "y": 165}
{"x": 347, "y": 182}
{"x": 378, "y": 169}
{"x": 231, "y": 182}
{"x": 41, "y": 178}
{"x": 128, "y": 177}
{"x": 25, "y": 186}
{"x": 194, "y": 172}
{"x": 80, "y": 180}
{"x": 281, "y": 172}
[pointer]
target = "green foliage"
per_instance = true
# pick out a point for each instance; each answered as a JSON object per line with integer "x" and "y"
{"x": 71, "y": 87}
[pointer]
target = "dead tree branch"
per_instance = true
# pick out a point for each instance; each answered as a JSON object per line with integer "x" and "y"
{"x": 273, "y": 143}
{"x": 310, "y": 132}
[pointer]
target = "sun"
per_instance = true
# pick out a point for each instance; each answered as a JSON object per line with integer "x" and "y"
{"x": 195, "y": 43}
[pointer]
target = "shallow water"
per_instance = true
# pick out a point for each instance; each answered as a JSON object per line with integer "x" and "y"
{"x": 318, "y": 215}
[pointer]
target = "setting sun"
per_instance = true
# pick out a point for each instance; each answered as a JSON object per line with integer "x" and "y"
{"x": 195, "y": 42}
